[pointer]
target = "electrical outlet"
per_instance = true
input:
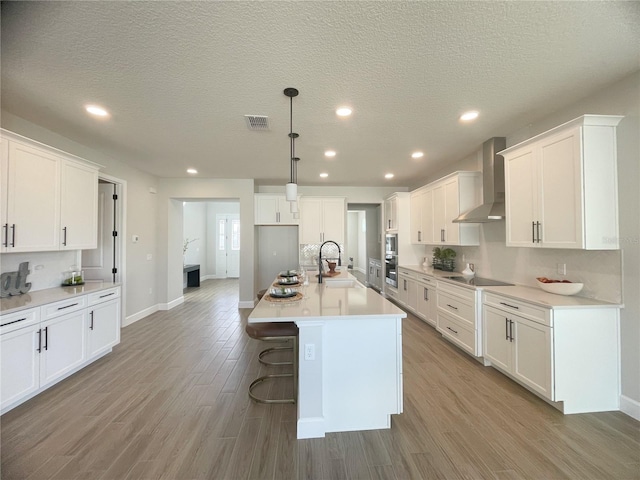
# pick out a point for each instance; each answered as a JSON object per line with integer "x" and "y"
{"x": 562, "y": 268}
{"x": 309, "y": 351}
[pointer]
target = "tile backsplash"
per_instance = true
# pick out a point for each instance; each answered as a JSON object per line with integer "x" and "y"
{"x": 45, "y": 267}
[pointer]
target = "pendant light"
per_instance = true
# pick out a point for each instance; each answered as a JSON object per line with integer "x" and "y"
{"x": 291, "y": 189}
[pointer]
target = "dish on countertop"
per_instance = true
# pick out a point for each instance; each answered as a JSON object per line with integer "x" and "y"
{"x": 288, "y": 273}
{"x": 282, "y": 292}
{"x": 288, "y": 280}
{"x": 564, "y": 287}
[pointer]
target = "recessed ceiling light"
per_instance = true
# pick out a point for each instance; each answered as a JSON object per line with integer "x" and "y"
{"x": 343, "y": 111}
{"x": 96, "y": 110}
{"x": 324, "y": 175}
{"x": 468, "y": 116}
{"x": 417, "y": 155}
{"x": 193, "y": 171}
{"x": 330, "y": 153}
{"x": 389, "y": 175}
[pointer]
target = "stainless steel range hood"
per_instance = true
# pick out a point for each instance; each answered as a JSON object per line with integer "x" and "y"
{"x": 492, "y": 208}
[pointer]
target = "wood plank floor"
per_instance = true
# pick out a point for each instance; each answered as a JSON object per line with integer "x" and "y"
{"x": 170, "y": 402}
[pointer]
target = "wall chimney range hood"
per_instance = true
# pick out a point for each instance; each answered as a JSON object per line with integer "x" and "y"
{"x": 492, "y": 208}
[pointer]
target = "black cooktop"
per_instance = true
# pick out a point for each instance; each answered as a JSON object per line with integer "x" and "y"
{"x": 479, "y": 281}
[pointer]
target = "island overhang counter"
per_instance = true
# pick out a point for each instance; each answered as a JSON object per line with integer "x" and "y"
{"x": 350, "y": 355}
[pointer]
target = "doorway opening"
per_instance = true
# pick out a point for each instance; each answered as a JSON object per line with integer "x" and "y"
{"x": 211, "y": 238}
{"x": 364, "y": 243}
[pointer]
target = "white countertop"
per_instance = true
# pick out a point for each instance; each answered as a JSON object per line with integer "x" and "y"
{"x": 320, "y": 302}
{"x": 519, "y": 292}
{"x": 49, "y": 295}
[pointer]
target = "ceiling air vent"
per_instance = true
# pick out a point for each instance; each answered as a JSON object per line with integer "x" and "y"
{"x": 257, "y": 122}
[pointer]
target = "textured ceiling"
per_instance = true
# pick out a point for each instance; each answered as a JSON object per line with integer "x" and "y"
{"x": 178, "y": 78}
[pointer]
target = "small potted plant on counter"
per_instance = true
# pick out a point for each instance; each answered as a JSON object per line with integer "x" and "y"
{"x": 447, "y": 256}
{"x": 437, "y": 258}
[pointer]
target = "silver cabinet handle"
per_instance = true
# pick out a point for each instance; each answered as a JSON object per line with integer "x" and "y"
{"x": 451, "y": 306}
{"x": 64, "y": 238}
{"x": 511, "y": 330}
{"x": 426, "y": 294}
{"x": 538, "y": 224}
{"x": 449, "y": 328}
{"x": 419, "y": 236}
{"x": 6, "y": 235}
{"x": 13, "y": 235}
{"x": 533, "y": 232}
{"x": 442, "y": 235}
{"x": 39, "y": 349}
{"x": 510, "y": 306}
{"x": 91, "y": 325}
{"x": 46, "y": 338}
{"x": 506, "y": 328}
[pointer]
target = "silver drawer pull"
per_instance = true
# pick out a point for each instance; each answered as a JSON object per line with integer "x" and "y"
{"x": 451, "y": 306}
{"x": 510, "y": 306}
{"x": 449, "y": 328}
{"x": 107, "y": 295}
{"x": 67, "y": 306}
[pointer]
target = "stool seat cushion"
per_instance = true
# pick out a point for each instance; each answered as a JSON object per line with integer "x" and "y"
{"x": 272, "y": 329}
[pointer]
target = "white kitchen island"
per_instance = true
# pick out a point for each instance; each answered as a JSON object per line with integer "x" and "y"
{"x": 350, "y": 361}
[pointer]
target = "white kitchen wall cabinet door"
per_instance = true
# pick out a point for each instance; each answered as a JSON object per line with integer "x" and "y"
{"x": 416, "y": 205}
{"x": 104, "y": 327}
{"x": 19, "y": 365}
{"x": 322, "y": 219}
{"x": 273, "y": 209}
{"x": 64, "y": 345}
{"x": 391, "y": 214}
{"x": 79, "y": 207}
{"x": 32, "y": 186}
{"x": 453, "y": 195}
{"x": 573, "y": 200}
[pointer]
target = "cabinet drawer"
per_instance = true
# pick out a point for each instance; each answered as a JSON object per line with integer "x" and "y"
{"x": 407, "y": 273}
{"x": 459, "y": 334}
{"x": 532, "y": 312}
{"x": 103, "y": 295}
{"x": 428, "y": 281}
{"x": 466, "y": 293}
{"x": 462, "y": 309}
{"x": 21, "y": 319}
{"x": 63, "y": 307}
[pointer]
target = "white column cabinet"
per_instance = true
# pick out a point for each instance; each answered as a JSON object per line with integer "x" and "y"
{"x": 322, "y": 219}
{"x": 273, "y": 209}
{"x": 561, "y": 187}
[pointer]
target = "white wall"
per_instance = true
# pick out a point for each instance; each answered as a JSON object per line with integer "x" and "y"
{"x": 352, "y": 242}
{"x": 195, "y": 231}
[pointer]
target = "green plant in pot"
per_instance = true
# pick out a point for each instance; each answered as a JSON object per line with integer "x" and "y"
{"x": 447, "y": 256}
{"x": 437, "y": 258}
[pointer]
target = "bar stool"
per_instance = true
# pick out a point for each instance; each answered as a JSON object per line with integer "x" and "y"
{"x": 275, "y": 332}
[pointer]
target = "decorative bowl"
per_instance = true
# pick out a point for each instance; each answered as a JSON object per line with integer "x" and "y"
{"x": 561, "y": 288}
{"x": 282, "y": 292}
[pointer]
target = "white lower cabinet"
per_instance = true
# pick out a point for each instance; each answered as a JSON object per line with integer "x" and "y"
{"x": 19, "y": 362}
{"x": 458, "y": 316}
{"x": 426, "y": 299}
{"x": 568, "y": 354}
{"x": 520, "y": 347}
{"x": 63, "y": 345}
{"x": 42, "y": 345}
{"x": 104, "y": 327}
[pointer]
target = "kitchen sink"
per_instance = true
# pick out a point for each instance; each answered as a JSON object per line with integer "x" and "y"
{"x": 341, "y": 283}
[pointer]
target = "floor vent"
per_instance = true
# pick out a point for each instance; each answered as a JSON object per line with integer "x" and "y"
{"x": 257, "y": 122}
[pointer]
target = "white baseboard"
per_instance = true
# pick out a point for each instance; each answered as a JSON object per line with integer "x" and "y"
{"x": 312, "y": 427}
{"x": 247, "y": 304}
{"x": 140, "y": 315}
{"x": 630, "y": 406}
{"x": 171, "y": 304}
{"x": 360, "y": 269}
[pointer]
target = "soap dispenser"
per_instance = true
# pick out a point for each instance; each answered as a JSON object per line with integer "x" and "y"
{"x": 468, "y": 272}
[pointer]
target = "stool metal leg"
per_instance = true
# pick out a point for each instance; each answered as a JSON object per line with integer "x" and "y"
{"x": 294, "y": 374}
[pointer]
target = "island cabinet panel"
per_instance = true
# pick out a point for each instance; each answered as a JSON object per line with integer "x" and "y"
{"x": 322, "y": 219}
{"x": 561, "y": 187}
{"x": 568, "y": 355}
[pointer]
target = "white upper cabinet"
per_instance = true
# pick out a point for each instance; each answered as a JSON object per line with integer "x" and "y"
{"x": 322, "y": 219}
{"x": 48, "y": 200}
{"x": 273, "y": 209}
{"x": 391, "y": 214}
{"x": 561, "y": 187}
{"x": 30, "y": 198}
{"x": 79, "y": 207}
{"x": 435, "y": 206}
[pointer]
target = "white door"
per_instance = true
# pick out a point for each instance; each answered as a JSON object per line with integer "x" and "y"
{"x": 98, "y": 262}
{"x": 227, "y": 246}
